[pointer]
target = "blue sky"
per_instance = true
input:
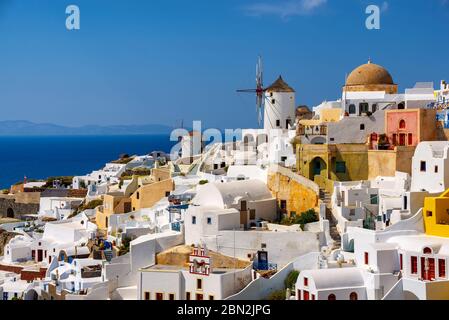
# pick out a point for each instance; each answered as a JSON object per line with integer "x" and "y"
{"x": 160, "y": 61}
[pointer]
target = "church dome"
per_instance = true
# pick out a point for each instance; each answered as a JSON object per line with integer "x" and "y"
{"x": 369, "y": 74}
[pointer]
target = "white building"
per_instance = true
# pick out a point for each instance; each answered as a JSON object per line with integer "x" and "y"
{"x": 430, "y": 167}
{"x": 199, "y": 281}
{"x": 227, "y": 206}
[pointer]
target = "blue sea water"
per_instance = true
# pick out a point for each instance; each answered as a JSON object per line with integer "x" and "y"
{"x": 39, "y": 157}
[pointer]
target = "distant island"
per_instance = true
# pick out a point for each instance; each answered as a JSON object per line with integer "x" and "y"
{"x": 27, "y": 128}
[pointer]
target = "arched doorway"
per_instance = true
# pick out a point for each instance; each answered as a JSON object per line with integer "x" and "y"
{"x": 31, "y": 295}
{"x": 353, "y": 296}
{"x": 10, "y": 213}
{"x": 317, "y": 168}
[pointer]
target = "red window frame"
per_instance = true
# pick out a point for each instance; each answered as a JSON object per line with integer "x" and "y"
{"x": 442, "y": 268}
{"x": 414, "y": 264}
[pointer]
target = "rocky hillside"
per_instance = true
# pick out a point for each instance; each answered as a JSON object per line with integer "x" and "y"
{"x": 5, "y": 236}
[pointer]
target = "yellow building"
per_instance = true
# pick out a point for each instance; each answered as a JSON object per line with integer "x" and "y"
{"x": 327, "y": 163}
{"x": 436, "y": 215}
{"x": 148, "y": 195}
{"x": 141, "y": 192}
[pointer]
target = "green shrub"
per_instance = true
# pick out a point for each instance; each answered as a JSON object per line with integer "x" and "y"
{"x": 306, "y": 217}
{"x": 202, "y": 182}
{"x": 291, "y": 279}
{"x": 277, "y": 295}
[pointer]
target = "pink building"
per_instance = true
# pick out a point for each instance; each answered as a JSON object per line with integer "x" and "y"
{"x": 409, "y": 127}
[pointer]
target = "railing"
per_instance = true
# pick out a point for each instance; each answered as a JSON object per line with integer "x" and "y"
{"x": 265, "y": 266}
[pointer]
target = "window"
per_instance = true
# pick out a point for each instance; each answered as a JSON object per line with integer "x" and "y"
{"x": 299, "y": 294}
{"x": 429, "y": 213}
{"x": 199, "y": 297}
{"x": 171, "y": 296}
{"x": 363, "y": 108}
{"x": 366, "y": 258}
{"x": 193, "y": 219}
{"x": 442, "y": 268}
{"x": 167, "y": 194}
{"x": 423, "y": 166}
{"x": 252, "y": 214}
{"x": 199, "y": 284}
{"x": 374, "y": 199}
{"x": 278, "y": 123}
{"x": 340, "y": 167}
{"x": 351, "y": 109}
{"x": 436, "y": 169}
{"x": 405, "y": 202}
{"x": 138, "y": 195}
{"x": 306, "y": 282}
{"x": 211, "y": 297}
{"x": 147, "y": 296}
{"x": 402, "y": 124}
{"x": 410, "y": 139}
{"x": 374, "y": 107}
{"x": 331, "y": 297}
{"x": 243, "y": 205}
{"x": 400, "y": 262}
{"x": 395, "y": 139}
{"x": 188, "y": 297}
{"x": 313, "y": 297}
{"x": 159, "y": 296}
{"x": 362, "y": 126}
{"x": 427, "y": 250}
{"x": 209, "y": 220}
{"x": 273, "y": 101}
{"x": 353, "y": 296}
{"x": 414, "y": 265}
{"x": 283, "y": 204}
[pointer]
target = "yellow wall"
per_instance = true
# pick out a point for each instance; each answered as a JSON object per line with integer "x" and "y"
{"x": 436, "y": 215}
{"x": 331, "y": 115}
{"x": 100, "y": 218}
{"x": 161, "y": 174}
{"x": 148, "y": 195}
{"x": 387, "y": 162}
{"x": 298, "y": 197}
{"x": 355, "y": 157}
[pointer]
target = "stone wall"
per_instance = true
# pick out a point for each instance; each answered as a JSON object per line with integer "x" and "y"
{"x": 10, "y": 208}
{"x": 299, "y": 193}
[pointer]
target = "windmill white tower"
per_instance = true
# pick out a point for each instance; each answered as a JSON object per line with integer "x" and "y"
{"x": 277, "y": 100}
{"x": 279, "y": 106}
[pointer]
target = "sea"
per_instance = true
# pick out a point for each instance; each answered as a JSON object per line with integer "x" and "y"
{"x": 39, "y": 157}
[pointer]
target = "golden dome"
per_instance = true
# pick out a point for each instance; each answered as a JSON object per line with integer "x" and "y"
{"x": 369, "y": 74}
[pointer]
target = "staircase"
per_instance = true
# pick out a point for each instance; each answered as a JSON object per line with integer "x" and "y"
{"x": 325, "y": 197}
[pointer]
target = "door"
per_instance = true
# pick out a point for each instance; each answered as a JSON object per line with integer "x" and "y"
{"x": 306, "y": 295}
{"x": 39, "y": 255}
{"x": 159, "y": 296}
{"x": 428, "y": 269}
{"x": 402, "y": 139}
{"x": 199, "y": 297}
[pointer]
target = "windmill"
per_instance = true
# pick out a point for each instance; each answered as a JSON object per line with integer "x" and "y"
{"x": 259, "y": 90}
